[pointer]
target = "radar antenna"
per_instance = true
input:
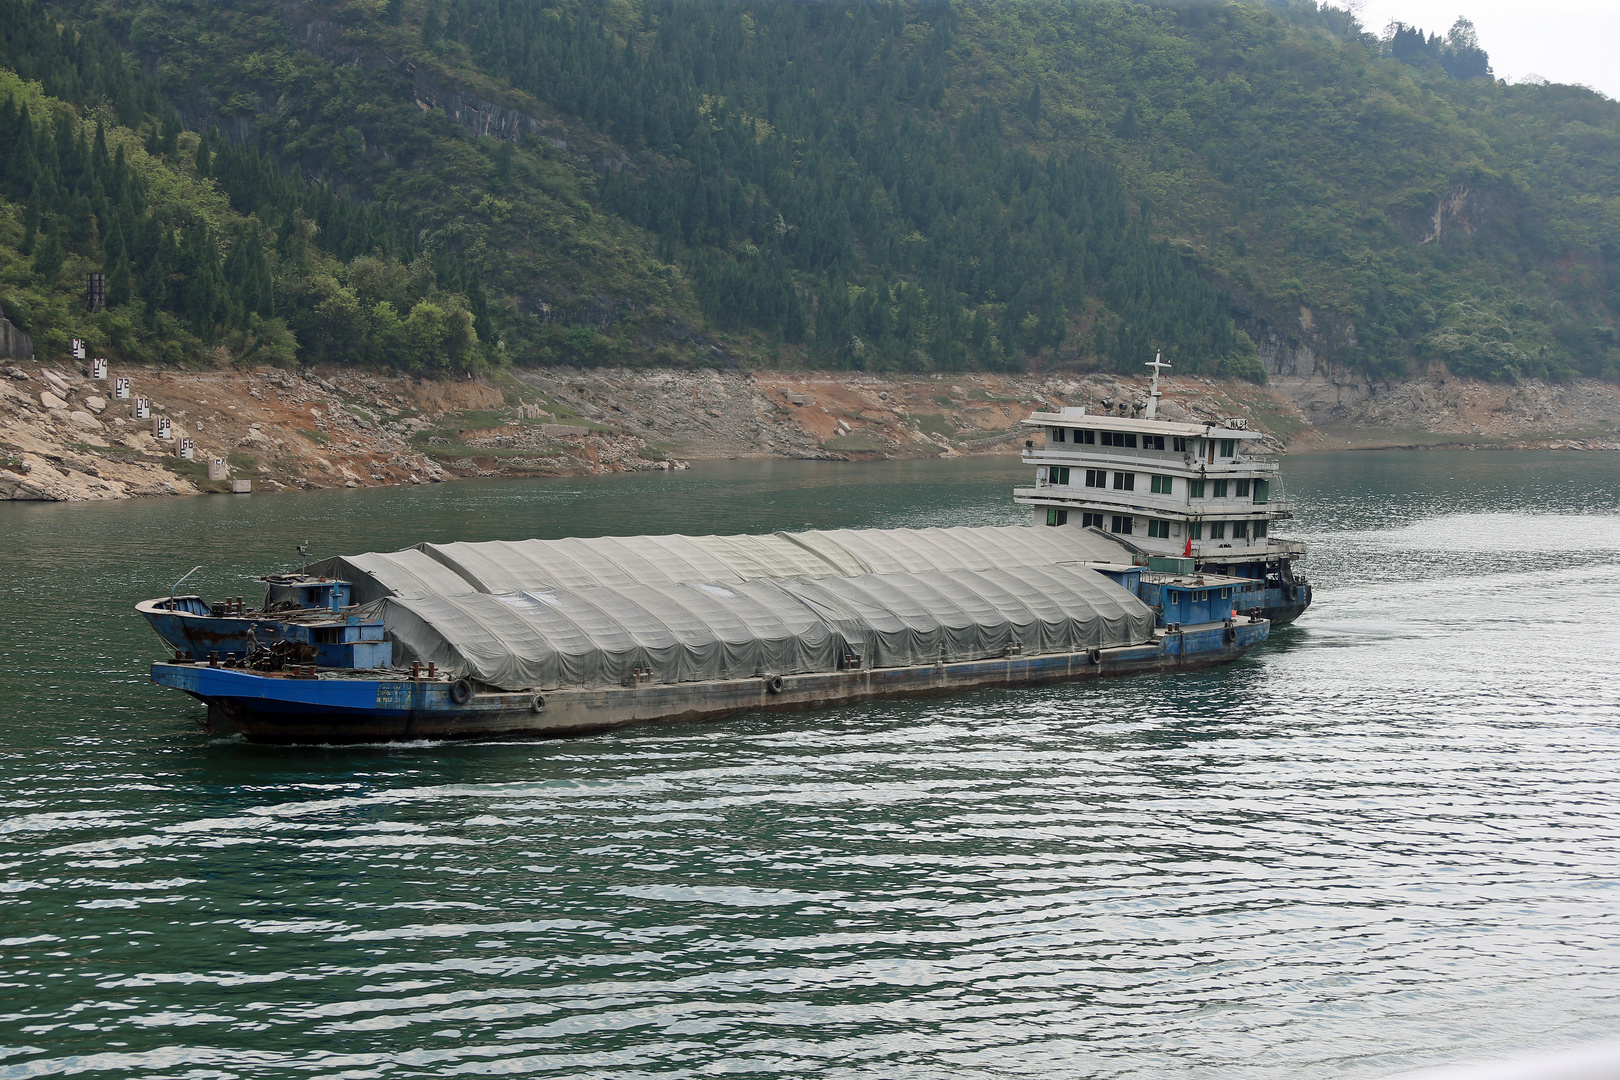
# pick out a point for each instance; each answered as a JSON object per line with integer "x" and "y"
{"x": 1153, "y": 388}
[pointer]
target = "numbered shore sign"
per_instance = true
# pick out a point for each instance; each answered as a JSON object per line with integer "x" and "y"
{"x": 78, "y": 348}
{"x": 143, "y": 409}
{"x": 162, "y": 427}
{"x": 98, "y": 369}
{"x": 188, "y": 449}
{"x": 121, "y": 388}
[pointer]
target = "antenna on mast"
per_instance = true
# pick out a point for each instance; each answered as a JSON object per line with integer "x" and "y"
{"x": 1153, "y": 388}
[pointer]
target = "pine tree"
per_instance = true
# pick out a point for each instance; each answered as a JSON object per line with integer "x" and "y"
{"x": 48, "y": 263}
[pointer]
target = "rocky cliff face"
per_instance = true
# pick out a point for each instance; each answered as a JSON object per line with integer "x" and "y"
{"x": 1297, "y": 349}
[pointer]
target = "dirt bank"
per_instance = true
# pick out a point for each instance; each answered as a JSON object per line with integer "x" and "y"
{"x": 63, "y": 436}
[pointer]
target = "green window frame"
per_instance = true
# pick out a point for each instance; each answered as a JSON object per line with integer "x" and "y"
{"x": 1163, "y": 485}
{"x": 1262, "y": 491}
{"x": 1195, "y": 530}
{"x": 1220, "y": 489}
{"x": 1217, "y": 530}
{"x": 1228, "y": 448}
{"x": 1195, "y": 489}
{"x": 1056, "y": 516}
{"x": 1243, "y": 488}
{"x": 1058, "y": 474}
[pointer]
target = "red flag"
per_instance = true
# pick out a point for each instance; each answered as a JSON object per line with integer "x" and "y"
{"x": 1187, "y": 552}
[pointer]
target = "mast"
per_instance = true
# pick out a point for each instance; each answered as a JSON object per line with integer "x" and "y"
{"x": 1153, "y": 388}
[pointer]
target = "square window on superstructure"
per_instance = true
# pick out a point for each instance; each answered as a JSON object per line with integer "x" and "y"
{"x": 1122, "y": 524}
{"x": 1158, "y": 528}
{"x": 1240, "y": 530}
{"x": 1059, "y": 474}
{"x": 1090, "y": 521}
{"x": 1097, "y": 478}
{"x": 1220, "y": 489}
{"x": 1217, "y": 530}
{"x": 1057, "y": 434}
{"x": 1228, "y": 448}
{"x": 1124, "y": 481}
{"x": 1195, "y": 530}
{"x": 1163, "y": 485}
{"x": 1242, "y": 489}
{"x": 1087, "y": 437}
{"x": 1057, "y": 516}
{"x": 1179, "y": 444}
{"x": 1259, "y": 530}
{"x": 1195, "y": 489}
{"x": 1153, "y": 442}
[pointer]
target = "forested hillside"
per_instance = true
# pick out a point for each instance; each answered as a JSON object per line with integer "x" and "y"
{"x": 442, "y": 184}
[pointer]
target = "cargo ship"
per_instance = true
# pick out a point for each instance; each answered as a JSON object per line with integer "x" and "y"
{"x": 538, "y": 638}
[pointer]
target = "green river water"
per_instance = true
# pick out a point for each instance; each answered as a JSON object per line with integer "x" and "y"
{"x": 1389, "y": 837}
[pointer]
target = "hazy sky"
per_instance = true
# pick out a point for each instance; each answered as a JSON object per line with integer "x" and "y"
{"x": 1567, "y": 41}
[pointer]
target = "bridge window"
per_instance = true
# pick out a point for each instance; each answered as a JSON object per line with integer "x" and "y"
{"x": 1153, "y": 442}
{"x": 1119, "y": 438}
{"x": 1087, "y": 437}
{"x": 1179, "y": 445}
{"x": 1228, "y": 448}
{"x": 1057, "y": 434}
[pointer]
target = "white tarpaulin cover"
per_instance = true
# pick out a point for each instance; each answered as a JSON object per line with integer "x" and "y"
{"x": 596, "y": 635}
{"x": 539, "y": 614}
{"x": 501, "y": 566}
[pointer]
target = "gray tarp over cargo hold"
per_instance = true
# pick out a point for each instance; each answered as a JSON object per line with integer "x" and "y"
{"x": 503, "y": 566}
{"x": 595, "y": 635}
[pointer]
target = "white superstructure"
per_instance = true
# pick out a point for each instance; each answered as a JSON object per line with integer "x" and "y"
{"x": 1167, "y": 488}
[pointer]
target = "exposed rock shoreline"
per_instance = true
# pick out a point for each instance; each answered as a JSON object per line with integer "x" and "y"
{"x": 64, "y": 436}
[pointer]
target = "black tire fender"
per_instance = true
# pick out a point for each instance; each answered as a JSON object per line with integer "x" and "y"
{"x": 1095, "y": 656}
{"x": 461, "y": 691}
{"x": 1231, "y": 635}
{"x": 775, "y": 684}
{"x": 538, "y": 703}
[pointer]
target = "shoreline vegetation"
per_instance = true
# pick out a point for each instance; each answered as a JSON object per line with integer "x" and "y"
{"x": 438, "y": 187}
{"x": 63, "y": 436}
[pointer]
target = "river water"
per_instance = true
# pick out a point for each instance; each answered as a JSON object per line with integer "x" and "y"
{"x": 1388, "y": 838}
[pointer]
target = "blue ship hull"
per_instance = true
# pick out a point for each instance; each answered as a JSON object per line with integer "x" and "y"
{"x": 335, "y": 707}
